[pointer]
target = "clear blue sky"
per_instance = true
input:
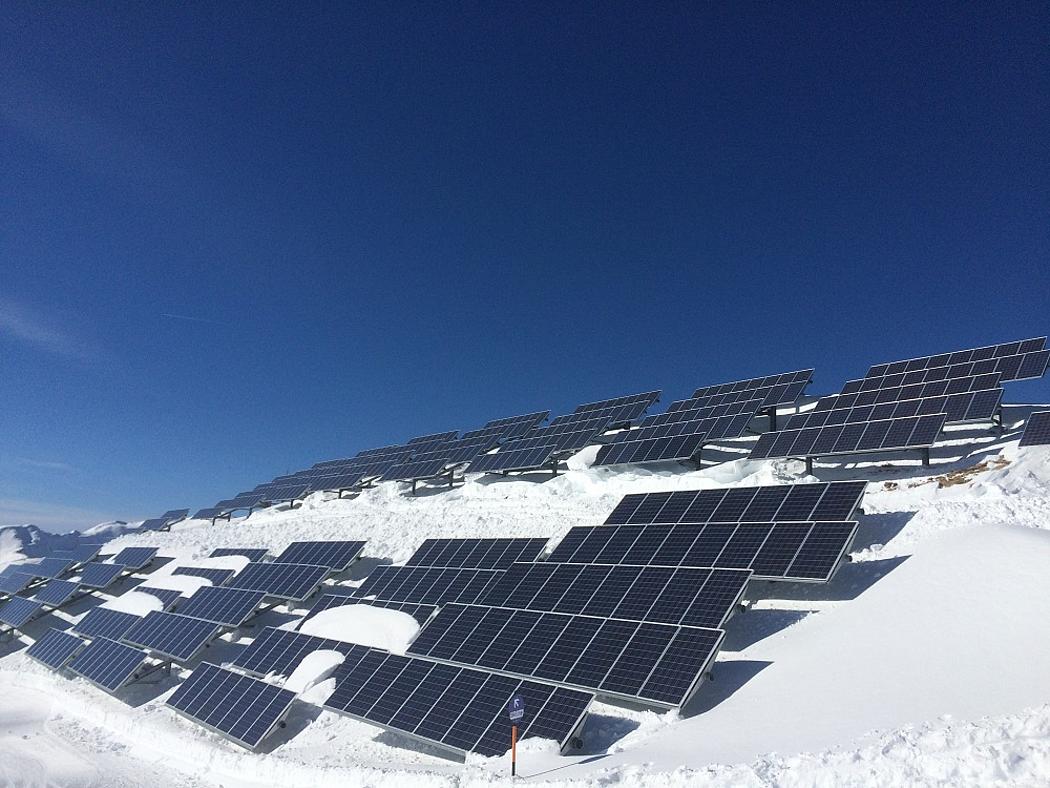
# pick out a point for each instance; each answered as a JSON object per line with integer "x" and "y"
{"x": 236, "y": 239}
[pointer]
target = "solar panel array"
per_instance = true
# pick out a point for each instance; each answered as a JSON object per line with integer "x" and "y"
{"x": 510, "y": 427}
{"x": 56, "y": 593}
{"x": 229, "y": 607}
{"x": 1013, "y": 360}
{"x": 428, "y": 585}
{"x": 55, "y": 648}
{"x": 628, "y": 451}
{"x": 100, "y": 575}
{"x": 337, "y": 556}
{"x": 46, "y": 568}
{"x": 168, "y": 597}
{"x": 476, "y": 553}
{"x": 772, "y": 390}
{"x": 243, "y": 709}
{"x": 456, "y": 707}
{"x": 171, "y": 635}
{"x": 251, "y": 553}
{"x": 279, "y": 651}
{"x": 15, "y": 582}
{"x": 292, "y": 582}
{"x": 101, "y": 622}
{"x": 18, "y": 611}
{"x": 107, "y": 664}
{"x": 657, "y": 664}
{"x": 914, "y": 432}
{"x": 1037, "y": 430}
{"x": 135, "y": 558}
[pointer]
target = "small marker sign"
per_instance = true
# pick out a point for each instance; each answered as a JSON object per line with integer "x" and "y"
{"x": 516, "y": 711}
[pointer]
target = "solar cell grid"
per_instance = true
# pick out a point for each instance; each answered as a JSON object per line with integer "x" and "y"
{"x": 853, "y": 438}
{"x": 477, "y": 553}
{"x": 1006, "y": 349}
{"x": 645, "y": 398}
{"x": 107, "y": 664}
{"x": 56, "y": 593}
{"x": 229, "y": 607}
{"x": 171, "y": 635}
{"x": 437, "y": 436}
{"x": 79, "y": 554}
{"x": 135, "y": 558}
{"x": 100, "y": 575}
{"x": 55, "y": 648}
{"x": 208, "y": 513}
{"x": 280, "y": 651}
{"x": 169, "y": 597}
{"x": 337, "y": 555}
{"x": 428, "y": 585}
{"x": 176, "y": 514}
{"x": 18, "y": 611}
{"x": 46, "y": 568}
{"x": 243, "y": 709}
{"x": 293, "y": 582}
{"x": 627, "y": 452}
{"x": 970, "y": 406}
{"x": 511, "y": 458}
{"x": 459, "y": 708}
{"x": 15, "y": 582}
{"x": 101, "y": 622}
{"x": 609, "y": 656}
{"x": 1037, "y": 430}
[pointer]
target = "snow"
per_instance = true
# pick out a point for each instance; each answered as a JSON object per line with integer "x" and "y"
{"x": 377, "y": 627}
{"x": 925, "y": 661}
{"x": 187, "y": 585}
{"x": 137, "y": 603}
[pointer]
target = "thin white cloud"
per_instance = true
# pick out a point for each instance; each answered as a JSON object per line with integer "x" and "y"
{"x": 190, "y": 318}
{"x": 19, "y": 323}
{"x": 44, "y": 465}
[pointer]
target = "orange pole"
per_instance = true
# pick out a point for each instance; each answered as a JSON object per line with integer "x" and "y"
{"x": 513, "y": 750}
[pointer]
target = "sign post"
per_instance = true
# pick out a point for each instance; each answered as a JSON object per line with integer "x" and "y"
{"x": 516, "y": 711}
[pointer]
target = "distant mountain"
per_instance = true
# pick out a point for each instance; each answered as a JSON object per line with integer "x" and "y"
{"x": 29, "y": 541}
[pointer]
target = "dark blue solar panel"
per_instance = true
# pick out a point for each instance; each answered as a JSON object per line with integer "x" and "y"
{"x": 230, "y": 607}
{"x": 281, "y": 581}
{"x": 428, "y": 585}
{"x": 243, "y": 709}
{"x": 169, "y": 597}
{"x": 105, "y": 623}
{"x": 56, "y": 593}
{"x": 107, "y": 664}
{"x": 627, "y": 452}
{"x": 280, "y": 651}
{"x": 327, "y": 601}
{"x": 135, "y": 558}
{"x": 510, "y": 459}
{"x": 885, "y": 435}
{"x": 251, "y": 553}
{"x": 460, "y": 708}
{"x": 14, "y": 582}
{"x": 477, "y": 553}
{"x": 216, "y": 576}
{"x": 18, "y": 611}
{"x": 172, "y": 635}
{"x": 47, "y": 567}
{"x": 55, "y": 648}
{"x": 336, "y": 555}
{"x": 100, "y": 575}
{"x": 1037, "y": 430}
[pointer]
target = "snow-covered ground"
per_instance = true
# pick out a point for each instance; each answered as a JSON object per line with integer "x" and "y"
{"x": 926, "y": 660}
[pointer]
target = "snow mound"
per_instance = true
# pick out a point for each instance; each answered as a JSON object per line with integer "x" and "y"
{"x": 377, "y": 627}
{"x": 315, "y": 668}
{"x": 187, "y": 585}
{"x": 135, "y": 602}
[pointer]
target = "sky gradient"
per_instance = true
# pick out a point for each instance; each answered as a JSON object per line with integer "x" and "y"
{"x": 239, "y": 239}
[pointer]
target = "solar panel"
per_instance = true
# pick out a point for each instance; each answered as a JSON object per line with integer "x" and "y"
{"x": 437, "y": 436}
{"x": 15, "y": 582}
{"x": 969, "y": 406}
{"x": 428, "y": 585}
{"x": 169, "y": 597}
{"x": 729, "y": 420}
{"x": 509, "y": 427}
{"x": 329, "y": 600}
{"x": 664, "y": 595}
{"x": 770, "y": 503}
{"x": 293, "y": 582}
{"x": 18, "y": 611}
{"x": 101, "y": 622}
{"x": 251, "y": 553}
{"x": 215, "y": 575}
{"x": 46, "y": 568}
{"x": 644, "y": 400}
{"x": 56, "y": 593}
{"x": 280, "y": 494}
{"x": 174, "y": 515}
{"x": 100, "y": 575}
{"x": 567, "y": 436}
{"x": 171, "y": 635}
{"x": 510, "y": 459}
{"x": 627, "y": 452}
{"x": 280, "y": 651}
{"x": 336, "y": 555}
{"x": 79, "y": 554}
{"x": 135, "y": 558}
{"x": 869, "y": 391}
{"x": 772, "y": 390}
{"x": 426, "y": 468}
{"x": 55, "y": 648}
{"x": 477, "y": 553}
{"x": 457, "y": 708}
{"x": 107, "y": 664}
{"x": 915, "y": 432}
{"x": 1007, "y": 358}
{"x": 230, "y": 607}
{"x": 773, "y": 551}
{"x": 1037, "y": 430}
{"x": 208, "y": 513}
{"x": 243, "y": 709}
{"x": 341, "y": 481}
{"x": 244, "y": 500}
{"x": 154, "y": 524}
{"x": 656, "y": 664}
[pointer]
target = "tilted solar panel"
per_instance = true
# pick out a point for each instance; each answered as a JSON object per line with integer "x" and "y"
{"x": 101, "y": 622}
{"x": 428, "y": 585}
{"x": 229, "y": 607}
{"x": 656, "y": 664}
{"x": 1037, "y": 430}
{"x": 135, "y": 558}
{"x": 871, "y": 391}
{"x": 510, "y": 427}
{"x": 1008, "y": 354}
{"x": 455, "y": 707}
{"x": 417, "y": 469}
{"x": 56, "y": 593}
{"x": 171, "y": 635}
{"x": 778, "y": 502}
{"x": 772, "y": 390}
{"x": 664, "y": 595}
{"x": 510, "y": 459}
{"x": 99, "y": 574}
{"x": 970, "y": 406}
{"x": 154, "y": 524}
{"x": 243, "y": 709}
{"x": 169, "y": 597}
{"x": 15, "y": 582}
{"x": 208, "y": 513}
{"x": 914, "y": 432}
{"x": 336, "y": 555}
{"x": 729, "y": 420}
{"x": 477, "y": 553}
{"x": 251, "y": 553}
{"x": 280, "y": 651}
{"x": 679, "y": 447}
{"x": 80, "y": 554}
{"x": 329, "y": 600}
{"x": 107, "y": 664}
{"x": 55, "y": 648}
{"x": 293, "y": 582}
{"x": 18, "y": 611}
{"x": 436, "y": 436}
{"x": 46, "y": 568}
{"x": 175, "y": 515}
{"x": 643, "y": 400}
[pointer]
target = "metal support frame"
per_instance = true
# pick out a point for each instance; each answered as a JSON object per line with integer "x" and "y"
{"x": 925, "y": 454}
{"x": 165, "y": 666}
{"x": 772, "y": 413}
{"x": 809, "y": 465}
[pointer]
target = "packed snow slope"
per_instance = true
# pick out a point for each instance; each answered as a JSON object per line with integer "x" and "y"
{"x": 926, "y": 660}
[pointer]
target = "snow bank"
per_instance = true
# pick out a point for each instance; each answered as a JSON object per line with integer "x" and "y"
{"x": 134, "y": 602}
{"x": 377, "y": 627}
{"x": 314, "y": 668}
{"x": 187, "y": 585}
